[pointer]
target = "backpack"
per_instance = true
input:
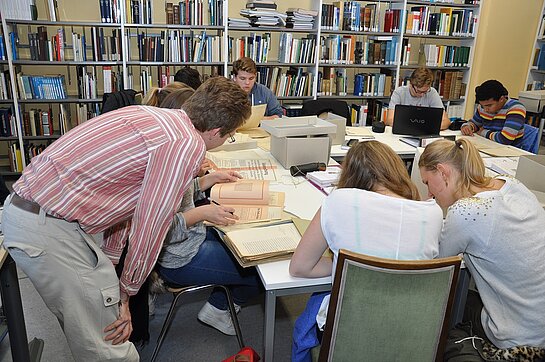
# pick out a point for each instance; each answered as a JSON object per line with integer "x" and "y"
{"x": 116, "y": 100}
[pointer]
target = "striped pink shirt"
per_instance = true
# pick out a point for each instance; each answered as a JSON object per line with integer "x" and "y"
{"x": 123, "y": 173}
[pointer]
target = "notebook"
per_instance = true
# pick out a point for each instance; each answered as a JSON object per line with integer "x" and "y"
{"x": 258, "y": 112}
{"x": 417, "y": 120}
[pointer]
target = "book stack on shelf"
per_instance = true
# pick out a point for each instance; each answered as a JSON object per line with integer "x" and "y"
{"x": 263, "y": 13}
{"x": 300, "y": 19}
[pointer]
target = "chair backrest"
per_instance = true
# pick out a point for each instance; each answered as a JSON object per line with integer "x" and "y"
{"x": 319, "y": 106}
{"x": 116, "y": 100}
{"x": 531, "y": 138}
{"x": 389, "y": 310}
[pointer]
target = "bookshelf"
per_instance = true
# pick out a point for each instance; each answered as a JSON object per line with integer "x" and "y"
{"x": 357, "y": 51}
{"x": 535, "y": 79}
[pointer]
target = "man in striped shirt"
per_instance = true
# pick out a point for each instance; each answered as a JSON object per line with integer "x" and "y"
{"x": 124, "y": 174}
{"x": 498, "y": 117}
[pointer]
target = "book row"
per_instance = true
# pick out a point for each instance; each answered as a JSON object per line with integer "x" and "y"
{"x": 296, "y": 50}
{"x": 424, "y": 20}
{"x": 387, "y": 17}
{"x": 351, "y": 49}
{"x": 294, "y": 82}
{"x": 191, "y": 12}
{"x": 446, "y": 55}
{"x": 357, "y": 16}
{"x": 5, "y": 85}
{"x": 41, "y": 87}
{"x": 43, "y": 48}
{"x": 7, "y": 123}
{"x": 177, "y": 46}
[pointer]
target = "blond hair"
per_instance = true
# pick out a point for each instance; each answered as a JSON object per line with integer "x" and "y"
{"x": 156, "y": 95}
{"x": 463, "y": 156}
{"x": 218, "y": 103}
{"x": 421, "y": 77}
{"x": 177, "y": 98}
{"x": 371, "y": 164}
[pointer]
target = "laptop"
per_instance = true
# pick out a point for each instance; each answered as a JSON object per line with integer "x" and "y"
{"x": 417, "y": 120}
{"x": 258, "y": 112}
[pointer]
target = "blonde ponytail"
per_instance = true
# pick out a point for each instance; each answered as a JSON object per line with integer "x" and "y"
{"x": 463, "y": 156}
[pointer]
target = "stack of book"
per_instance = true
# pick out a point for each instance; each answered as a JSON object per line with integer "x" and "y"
{"x": 263, "y": 13}
{"x": 300, "y": 18}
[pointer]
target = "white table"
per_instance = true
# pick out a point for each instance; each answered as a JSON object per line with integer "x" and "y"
{"x": 303, "y": 200}
{"x": 404, "y": 150}
{"x": 278, "y": 282}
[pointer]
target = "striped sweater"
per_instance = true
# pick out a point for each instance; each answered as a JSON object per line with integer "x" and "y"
{"x": 505, "y": 127}
{"x": 122, "y": 173}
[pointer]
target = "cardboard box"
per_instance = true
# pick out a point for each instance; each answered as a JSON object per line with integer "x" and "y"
{"x": 531, "y": 172}
{"x": 340, "y": 122}
{"x": 300, "y": 140}
{"x": 534, "y": 101}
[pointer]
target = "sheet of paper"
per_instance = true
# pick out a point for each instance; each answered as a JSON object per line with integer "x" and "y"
{"x": 255, "y": 169}
{"x": 502, "y": 165}
{"x": 359, "y": 131}
{"x": 506, "y": 151}
{"x": 255, "y": 133}
{"x": 242, "y": 192}
{"x": 251, "y": 214}
{"x": 269, "y": 239}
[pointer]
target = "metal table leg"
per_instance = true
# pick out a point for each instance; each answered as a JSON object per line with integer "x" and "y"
{"x": 270, "y": 314}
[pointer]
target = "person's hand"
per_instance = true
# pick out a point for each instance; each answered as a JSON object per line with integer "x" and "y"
{"x": 224, "y": 176}
{"x": 268, "y": 118}
{"x": 206, "y": 166}
{"x": 219, "y": 215}
{"x": 467, "y": 129}
{"x": 121, "y": 329}
{"x": 213, "y": 178}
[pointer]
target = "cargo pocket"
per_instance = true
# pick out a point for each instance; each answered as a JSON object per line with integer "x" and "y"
{"x": 110, "y": 295}
{"x": 32, "y": 251}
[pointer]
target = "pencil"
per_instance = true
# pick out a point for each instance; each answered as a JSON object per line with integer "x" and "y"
{"x": 217, "y": 203}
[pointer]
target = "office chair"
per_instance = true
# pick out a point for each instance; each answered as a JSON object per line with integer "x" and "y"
{"x": 319, "y": 106}
{"x": 531, "y": 139}
{"x": 389, "y": 310}
{"x": 177, "y": 292}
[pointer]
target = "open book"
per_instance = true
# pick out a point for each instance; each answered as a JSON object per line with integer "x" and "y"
{"x": 251, "y": 199}
{"x": 263, "y": 244}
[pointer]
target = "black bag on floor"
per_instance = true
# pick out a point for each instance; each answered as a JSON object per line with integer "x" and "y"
{"x": 462, "y": 345}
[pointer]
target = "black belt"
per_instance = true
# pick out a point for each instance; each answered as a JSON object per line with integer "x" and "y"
{"x": 26, "y": 205}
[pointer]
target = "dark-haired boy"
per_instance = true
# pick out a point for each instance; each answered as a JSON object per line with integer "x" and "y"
{"x": 498, "y": 117}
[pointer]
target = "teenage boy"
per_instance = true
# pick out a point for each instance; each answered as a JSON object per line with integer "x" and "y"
{"x": 245, "y": 73}
{"x": 419, "y": 92}
{"x": 498, "y": 117}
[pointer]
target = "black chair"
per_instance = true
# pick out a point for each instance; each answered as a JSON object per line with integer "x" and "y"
{"x": 319, "y": 106}
{"x": 177, "y": 292}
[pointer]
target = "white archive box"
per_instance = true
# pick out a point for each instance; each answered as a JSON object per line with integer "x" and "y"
{"x": 300, "y": 140}
{"x": 531, "y": 172}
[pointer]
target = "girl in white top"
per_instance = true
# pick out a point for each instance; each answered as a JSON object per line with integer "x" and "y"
{"x": 374, "y": 211}
{"x": 497, "y": 223}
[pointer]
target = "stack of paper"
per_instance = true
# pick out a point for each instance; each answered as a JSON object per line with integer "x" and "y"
{"x": 502, "y": 165}
{"x": 326, "y": 178}
{"x": 239, "y": 22}
{"x": 264, "y": 17}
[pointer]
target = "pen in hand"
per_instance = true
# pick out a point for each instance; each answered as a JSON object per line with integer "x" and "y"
{"x": 217, "y": 203}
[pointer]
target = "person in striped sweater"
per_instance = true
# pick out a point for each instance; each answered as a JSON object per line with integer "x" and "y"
{"x": 498, "y": 117}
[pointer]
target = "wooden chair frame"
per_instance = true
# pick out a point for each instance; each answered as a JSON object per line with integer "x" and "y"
{"x": 346, "y": 256}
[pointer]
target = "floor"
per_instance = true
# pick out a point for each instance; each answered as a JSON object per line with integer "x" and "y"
{"x": 187, "y": 340}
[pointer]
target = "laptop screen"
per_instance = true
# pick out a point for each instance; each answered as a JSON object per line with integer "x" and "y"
{"x": 417, "y": 120}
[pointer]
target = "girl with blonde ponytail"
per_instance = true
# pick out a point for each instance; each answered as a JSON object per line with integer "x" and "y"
{"x": 497, "y": 223}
